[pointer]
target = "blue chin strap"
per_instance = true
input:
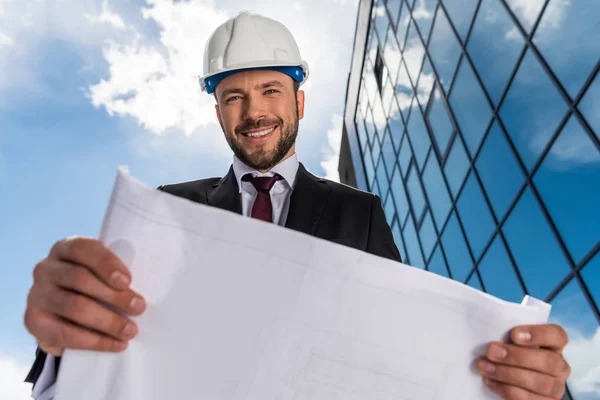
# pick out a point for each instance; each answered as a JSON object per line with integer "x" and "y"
{"x": 294, "y": 72}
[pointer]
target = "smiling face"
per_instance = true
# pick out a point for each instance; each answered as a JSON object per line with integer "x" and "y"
{"x": 259, "y": 112}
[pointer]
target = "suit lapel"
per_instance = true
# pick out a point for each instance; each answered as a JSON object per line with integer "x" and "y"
{"x": 308, "y": 202}
{"x": 225, "y": 194}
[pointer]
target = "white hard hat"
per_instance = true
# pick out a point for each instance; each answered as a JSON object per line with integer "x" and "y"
{"x": 251, "y": 41}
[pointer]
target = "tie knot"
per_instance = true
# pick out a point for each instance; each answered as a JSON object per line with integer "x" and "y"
{"x": 262, "y": 183}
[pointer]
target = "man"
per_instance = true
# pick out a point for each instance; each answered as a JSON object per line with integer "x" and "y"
{"x": 253, "y": 68}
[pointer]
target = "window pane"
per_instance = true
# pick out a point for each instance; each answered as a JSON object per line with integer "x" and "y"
{"x": 387, "y": 96}
{"x": 370, "y": 80}
{"x": 427, "y": 235}
{"x": 393, "y": 7}
{"x": 413, "y": 53}
{"x": 437, "y": 264}
{"x": 404, "y": 91}
{"x": 375, "y": 188}
{"x": 388, "y": 153}
{"x": 532, "y": 110}
{"x": 475, "y": 216}
{"x": 370, "y": 124}
{"x": 419, "y": 137}
{"x": 457, "y": 166}
{"x": 425, "y": 84}
{"x": 399, "y": 241}
{"x": 444, "y": 49}
{"x": 364, "y": 100}
{"x": 526, "y": 11}
{"x": 461, "y": 13}
{"x": 501, "y": 175}
{"x": 589, "y": 106}
{"x": 457, "y": 254}
{"x": 379, "y": 116}
{"x": 415, "y": 193}
{"x": 499, "y": 275}
{"x": 396, "y": 125}
{"x": 382, "y": 179}
{"x": 392, "y": 57}
{"x": 402, "y": 28}
{"x": 412, "y": 245}
{"x": 439, "y": 199}
{"x": 389, "y": 210}
{"x": 591, "y": 276}
{"x": 474, "y": 282}
{"x": 405, "y": 156}
{"x": 369, "y": 169}
{"x": 423, "y": 12}
{"x": 494, "y": 46}
{"x": 571, "y": 310}
{"x": 569, "y": 183}
{"x": 439, "y": 120}
{"x": 567, "y": 37}
{"x": 540, "y": 260}
{"x": 471, "y": 108}
{"x": 399, "y": 195}
{"x": 381, "y": 20}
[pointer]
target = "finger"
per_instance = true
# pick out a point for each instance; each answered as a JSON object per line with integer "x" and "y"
{"x": 536, "y": 359}
{"x": 87, "y": 312}
{"x": 550, "y": 336}
{"x": 92, "y": 254}
{"x": 532, "y": 381}
{"x": 79, "y": 279}
{"x": 55, "y": 332}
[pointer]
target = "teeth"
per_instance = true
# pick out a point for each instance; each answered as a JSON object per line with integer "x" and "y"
{"x": 260, "y": 133}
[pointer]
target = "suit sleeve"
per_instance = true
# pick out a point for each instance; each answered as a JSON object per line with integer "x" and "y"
{"x": 381, "y": 241}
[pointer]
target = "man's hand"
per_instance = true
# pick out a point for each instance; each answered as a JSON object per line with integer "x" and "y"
{"x": 532, "y": 368}
{"x": 73, "y": 288}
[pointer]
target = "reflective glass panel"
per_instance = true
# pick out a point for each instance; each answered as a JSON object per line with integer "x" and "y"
{"x": 412, "y": 245}
{"x": 399, "y": 242}
{"x": 457, "y": 254}
{"x": 381, "y": 20}
{"x": 457, "y": 166}
{"x": 423, "y": 12}
{"x": 419, "y": 137}
{"x": 370, "y": 124}
{"x": 591, "y": 276}
{"x": 399, "y": 194}
{"x": 532, "y": 110}
{"x": 501, "y": 175}
{"x": 439, "y": 121}
{"x": 379, "y": 116}
{"x": 393, "y": 7}
{"x": 405, "y": 156}
{"x": 444, "y": 49}
{"x": 388, "y": 153}
{"x": 369, "y": 168}
{"x": 415, "y": 193}
{"x": 540, "y": 260}
{"x": 526, "y": 11}
{"x": 475, "y": 216}
{"x": 589, "y": 106}
{"x": 382, "y": 179}
{"x": 461, "y": 13}
{"x": 389, "y": 210}
{"x": 572, "y": 311}
{"x": 437, "y": 193}
{"x": 567, "y": 36}
{"x": 387, "y": 96}
{"x": 471, "y": 108}
{"x": 498, "y": 273}
{"x": 362, "y": 133}
{"x": 437, "y": 264}
{"x": 569, "y": 183}
{"x": 370, "y": 80}
{"x": 402, "y": 28}
{"x": 474, "y": 282}
{"x": 494, "y": 46}
{"x": 375, "y": 151}
{"x": 396, "y": 125}
{"x": 413, "y": 53}
{"x": 426, "y": 82}
{"x": 392, "y": 56}
{"x": 427, "y": 235}
{"x": 404, "y": 91}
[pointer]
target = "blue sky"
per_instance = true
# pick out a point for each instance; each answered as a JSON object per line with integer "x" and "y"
{"x": 91, "y": 85}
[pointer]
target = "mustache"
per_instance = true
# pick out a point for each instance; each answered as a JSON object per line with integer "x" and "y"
{"x": 263, "y": 123}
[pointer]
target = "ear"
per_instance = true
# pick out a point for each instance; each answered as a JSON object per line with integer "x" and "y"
{"x": 300, "y": 100}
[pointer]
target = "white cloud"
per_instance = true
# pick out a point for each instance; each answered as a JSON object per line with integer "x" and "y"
{"x": 12, "y": 375}
{"x": 332, "y": 152}
{"x": 107, "y": 16}
{"x": 528, "y": 11}
{"x": 583, "y": 354}
{"x": 5, "y": 40}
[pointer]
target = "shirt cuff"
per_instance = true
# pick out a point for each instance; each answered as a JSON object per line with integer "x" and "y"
{"x": 45, "y": 385}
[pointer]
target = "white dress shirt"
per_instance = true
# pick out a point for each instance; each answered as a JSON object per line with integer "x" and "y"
{"x": 281, "y": 191}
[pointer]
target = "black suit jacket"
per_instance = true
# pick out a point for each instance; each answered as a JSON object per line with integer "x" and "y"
{"x": 318, "y": 207}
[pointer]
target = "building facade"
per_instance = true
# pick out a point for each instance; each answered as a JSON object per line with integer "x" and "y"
{"x": 477, "y": 123}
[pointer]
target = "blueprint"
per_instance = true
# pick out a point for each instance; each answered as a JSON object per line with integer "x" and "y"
{"x": 239, "y": 309}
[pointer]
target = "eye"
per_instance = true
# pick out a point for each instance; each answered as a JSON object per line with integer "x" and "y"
{"x": 269, "y": 91}
{"x": 232, "y": 98}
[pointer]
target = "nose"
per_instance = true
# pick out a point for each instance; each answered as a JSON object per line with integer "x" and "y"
{"x": 254, "y": 108}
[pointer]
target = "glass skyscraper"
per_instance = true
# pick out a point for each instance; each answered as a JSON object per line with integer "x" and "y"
{"x": 477, "y": 122}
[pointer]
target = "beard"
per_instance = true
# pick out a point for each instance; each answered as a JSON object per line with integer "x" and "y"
{"x": 262, "y": 159}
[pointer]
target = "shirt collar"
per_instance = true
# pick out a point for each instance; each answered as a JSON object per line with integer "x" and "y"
{"x": 287, "y": 169}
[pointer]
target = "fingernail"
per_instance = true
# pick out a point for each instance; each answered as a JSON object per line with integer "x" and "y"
{"x": 119, "y": 346}
{"x": 129, "y": 331}
{"x": 490, "y": 383}
{"x": 524, "y": 336}
{"x": 487, "y": 367}
{"x": 119, "y": 280}
{"x": 137, "y": 304}
{"x": 497, "y": 352}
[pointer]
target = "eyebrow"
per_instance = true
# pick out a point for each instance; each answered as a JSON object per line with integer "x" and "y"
{"x": 265, "y": 85}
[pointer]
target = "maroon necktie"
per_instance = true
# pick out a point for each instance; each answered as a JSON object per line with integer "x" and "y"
{"x": 262, "y": 208}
